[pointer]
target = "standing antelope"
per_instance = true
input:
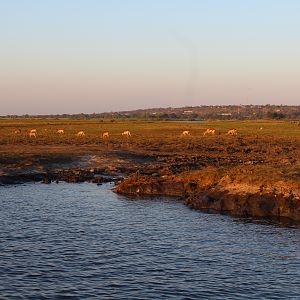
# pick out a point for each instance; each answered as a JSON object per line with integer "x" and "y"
{"x": 60, "y": 131}
{"x": 126, "y": 133}
{"x": 211, "y": 131}
{"x": 105, "y": 135}
{"x": 232, "y": 131}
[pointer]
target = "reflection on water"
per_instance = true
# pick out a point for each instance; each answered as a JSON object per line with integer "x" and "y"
{"x": 81, "y": 241}
{"x": 275, "y": 221}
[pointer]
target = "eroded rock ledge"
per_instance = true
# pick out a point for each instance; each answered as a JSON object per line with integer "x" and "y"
{"x": 250, "y": 190}
{"x": 207, "y": 191}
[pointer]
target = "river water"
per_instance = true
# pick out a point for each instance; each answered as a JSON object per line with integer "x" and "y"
{"x": 82, "y": 241}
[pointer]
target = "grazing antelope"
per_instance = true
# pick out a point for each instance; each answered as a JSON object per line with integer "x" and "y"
{"x": 80, "y": 133}
{"x": 105, "y": 135}
{"x": 126, "y": 133}
{"x": 17, "y": 131}
{"x": 60, "y": 131}
{"x": 185, "y": 133}
{"x": 232, "y": 131}
{"x": 211, "y": 131}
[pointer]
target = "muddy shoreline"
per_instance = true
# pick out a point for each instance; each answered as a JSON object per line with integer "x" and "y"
{"x": 134, "y": 174}
{"x": 96, "y": 167}
{"x": 219, "y": 196}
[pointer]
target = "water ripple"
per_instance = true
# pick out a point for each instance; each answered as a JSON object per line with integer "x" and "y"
{"x": 81, "y": 241}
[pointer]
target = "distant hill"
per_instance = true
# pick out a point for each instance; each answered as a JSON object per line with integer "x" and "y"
{"x": 221, "y": 112}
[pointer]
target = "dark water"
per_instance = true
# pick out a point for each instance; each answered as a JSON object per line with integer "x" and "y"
{"x": 79, "y": 241}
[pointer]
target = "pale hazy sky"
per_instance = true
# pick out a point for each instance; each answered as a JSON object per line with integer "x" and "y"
{"x": 72, "y": 56}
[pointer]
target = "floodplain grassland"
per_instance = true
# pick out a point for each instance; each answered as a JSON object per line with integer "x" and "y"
{"x": 261, "y": 149}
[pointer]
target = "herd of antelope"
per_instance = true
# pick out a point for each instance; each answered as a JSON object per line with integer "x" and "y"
{"x": 127, "y": 134}
{"x": 105, "y": 135}
{"x": 32, "y": 133}
{"x": 210, "y": 131}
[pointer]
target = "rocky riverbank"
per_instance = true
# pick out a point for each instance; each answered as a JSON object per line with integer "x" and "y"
{"x": 75, "y": 175}
{"x": 236, "y": 191}
{"x": 207, "y": 191}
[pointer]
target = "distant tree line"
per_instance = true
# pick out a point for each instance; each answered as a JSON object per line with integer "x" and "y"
{"x": 205, "y": 112}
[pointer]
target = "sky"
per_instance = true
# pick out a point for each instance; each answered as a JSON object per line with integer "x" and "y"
{"x": 86, "y": 56}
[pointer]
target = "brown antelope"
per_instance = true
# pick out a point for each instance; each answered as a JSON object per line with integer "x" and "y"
{"x": 126, "y": 133}
{"x": 232, "y": 131}
{"x": 105, "y": 135}
{"x": 211, "y": 131}
{"x": 60, "y": 131}
{"x": 80, "y": 133}
{"x": 32, "y": 134}
{"x": 185, "y": 133}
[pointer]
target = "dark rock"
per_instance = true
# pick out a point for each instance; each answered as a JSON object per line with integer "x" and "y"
{"x": 98, "y": 179}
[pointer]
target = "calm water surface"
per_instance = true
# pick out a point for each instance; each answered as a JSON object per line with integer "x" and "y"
{"x": 81, "y": 241}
